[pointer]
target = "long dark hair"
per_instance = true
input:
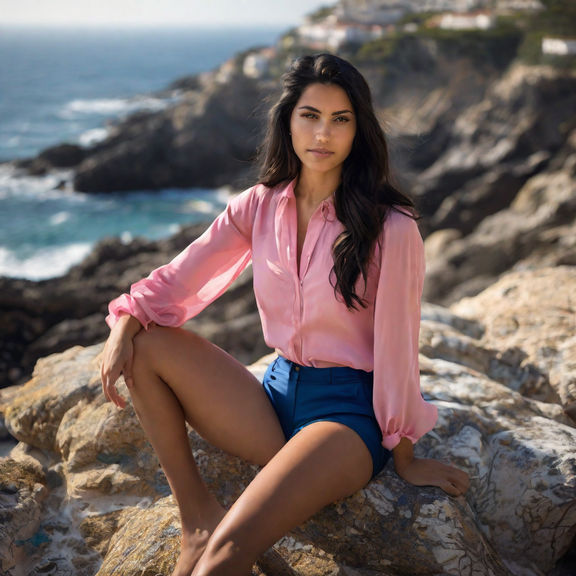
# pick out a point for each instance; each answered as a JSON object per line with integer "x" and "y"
{"x": 365, "y": 194}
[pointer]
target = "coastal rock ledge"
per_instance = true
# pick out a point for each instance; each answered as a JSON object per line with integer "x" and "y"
{"x": 82, "y": 493}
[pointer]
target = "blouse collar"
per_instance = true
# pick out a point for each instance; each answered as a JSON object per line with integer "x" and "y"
{"x": 328, "y": 208}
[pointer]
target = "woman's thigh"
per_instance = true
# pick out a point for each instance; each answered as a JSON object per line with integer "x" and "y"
{"x": 220, "y": 398}
{"x": 324, "y": 462}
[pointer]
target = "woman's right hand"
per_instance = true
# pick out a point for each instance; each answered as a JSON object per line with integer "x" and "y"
{"x": 117, "y": 358}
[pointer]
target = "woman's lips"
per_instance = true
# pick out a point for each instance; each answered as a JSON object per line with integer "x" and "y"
{"x": 320, "y": 152}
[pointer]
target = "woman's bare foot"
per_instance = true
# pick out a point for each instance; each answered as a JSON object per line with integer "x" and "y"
{"x": 195, "y": 539}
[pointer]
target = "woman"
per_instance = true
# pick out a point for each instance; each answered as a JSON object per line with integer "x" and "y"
{"x": 338, "y": 271}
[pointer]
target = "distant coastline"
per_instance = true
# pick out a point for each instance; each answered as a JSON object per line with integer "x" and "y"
{"x": 51, "y": 75}
{"x": 69, "y": 85}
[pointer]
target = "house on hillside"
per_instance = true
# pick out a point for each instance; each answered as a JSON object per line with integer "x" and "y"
{"x": 519, "y": 5}
{"x": 257, "y": 63}
{"x": 333, "y": 32}
{"x": 466, "y": 21}
{"x": 559, "y": 46}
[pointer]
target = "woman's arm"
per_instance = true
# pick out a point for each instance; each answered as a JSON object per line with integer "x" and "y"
{"x": 400, "y": 409}
{"x": 402, "y": 413}
{"x": 179, "y": 290}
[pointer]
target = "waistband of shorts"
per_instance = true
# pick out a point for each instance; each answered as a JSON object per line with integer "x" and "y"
{"x": 288, "y": 364}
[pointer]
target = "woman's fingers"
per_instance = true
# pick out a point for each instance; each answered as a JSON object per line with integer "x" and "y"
{"x": 111, "y": 369}
{"x": 456, "y": 481}
{"x": 117, "y": 360}
{"x": 450, "y": 488}
{"x": 428, "y": 472}
{"x": 110, "y": 390}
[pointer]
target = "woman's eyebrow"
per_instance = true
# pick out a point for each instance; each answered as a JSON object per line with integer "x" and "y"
{"x": 337, "y": 113}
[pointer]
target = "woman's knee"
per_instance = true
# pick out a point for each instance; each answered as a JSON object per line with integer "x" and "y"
{"x": 143, "y": 344}
{"x": 223, "y": 556}
{"x": 149, "y": 346}
{"x": 160, "y": 346}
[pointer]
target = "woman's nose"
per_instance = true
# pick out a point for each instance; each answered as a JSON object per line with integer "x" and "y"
{"x": 323, "y": 132}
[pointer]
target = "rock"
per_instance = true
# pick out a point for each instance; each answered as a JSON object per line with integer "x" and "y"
{"x": 103, "y": 485}
{"x": 58, "y": 384}
{"x": 63, "y": 155}
{"x": 22, "y": 490}
{"x": 534, "y": 311}
{"x": 496, "y": 145}
{"x": 206, "y": 140}
{"x": 537, "y": 230}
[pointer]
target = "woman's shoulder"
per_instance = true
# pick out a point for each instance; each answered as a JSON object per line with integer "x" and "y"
{"x": 255, "y": 204}
{"x": 400, "y": 220}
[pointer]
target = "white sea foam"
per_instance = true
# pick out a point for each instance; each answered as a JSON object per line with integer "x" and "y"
{"x": 126, "y": 237}
{"x": 15, "y": 184}
{"x": 93, "y": 136}
{"x": 200, "y": 207}
{"x": 45, "y": 263}
{"x": 112, "y": 106}
{"x": 59, "y": 218}
{"x": 13, "y": 142}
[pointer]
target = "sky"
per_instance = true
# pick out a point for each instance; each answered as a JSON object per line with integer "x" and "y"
{"x": 156, "y": 12}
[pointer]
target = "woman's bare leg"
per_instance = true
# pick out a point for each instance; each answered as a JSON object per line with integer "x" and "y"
{"x": 324, "y": 462}
{"x": 181, "y": 377}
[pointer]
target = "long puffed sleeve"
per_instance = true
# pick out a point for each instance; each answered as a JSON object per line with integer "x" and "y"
{"x": 398, "y": 404}
{"x": 177, "y": 291}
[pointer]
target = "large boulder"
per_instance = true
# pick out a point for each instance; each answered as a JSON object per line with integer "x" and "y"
{"x": 97, "y": 499}
{"x": 534, "y": 313}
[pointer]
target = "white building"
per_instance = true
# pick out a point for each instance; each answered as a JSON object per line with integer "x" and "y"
{"x": 558, "y": 46}
{"x": 457, "y": 21}
{"x": 257, "y": 64}
{"x": 519, "y": 5}
{"x": 389, "y": 11}
{"x": 332, "y": 33}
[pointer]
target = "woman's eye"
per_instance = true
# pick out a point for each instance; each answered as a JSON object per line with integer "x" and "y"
{"x": 309, "y": 115}
{"x": 341, "y": 119}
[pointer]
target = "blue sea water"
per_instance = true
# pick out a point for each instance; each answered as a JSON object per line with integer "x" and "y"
{"x": 65, "y": 85}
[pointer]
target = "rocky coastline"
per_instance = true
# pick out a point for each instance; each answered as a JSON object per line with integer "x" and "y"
{"x": 490, "y": 156}
{"x": 82, "y": 493}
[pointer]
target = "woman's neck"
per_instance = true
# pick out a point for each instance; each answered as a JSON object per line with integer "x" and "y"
{"x": 314, "y": 188}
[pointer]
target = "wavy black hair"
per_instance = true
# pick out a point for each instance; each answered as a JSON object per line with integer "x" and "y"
{"x": 365, "y": 194}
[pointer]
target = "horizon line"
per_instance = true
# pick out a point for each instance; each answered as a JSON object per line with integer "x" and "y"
{"x": 146, "y": 25}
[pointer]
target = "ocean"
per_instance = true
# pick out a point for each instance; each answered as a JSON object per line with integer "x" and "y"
{"x": 66, "y": 85}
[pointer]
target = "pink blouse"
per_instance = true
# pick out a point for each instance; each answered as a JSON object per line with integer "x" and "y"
{"x": 301, "y": 317}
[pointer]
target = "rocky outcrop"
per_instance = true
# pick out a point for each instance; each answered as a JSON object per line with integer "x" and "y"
{"x": 208, "y": 139}
{"x": 530, "y": 320}
{"x": 535, "y": 227}
{"x": 90, "y": 483}
{"x": 495, "y": 146}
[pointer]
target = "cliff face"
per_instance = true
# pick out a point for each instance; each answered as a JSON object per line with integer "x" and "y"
{"x": 82, "y": 493}
{"x": 207, "y": 140}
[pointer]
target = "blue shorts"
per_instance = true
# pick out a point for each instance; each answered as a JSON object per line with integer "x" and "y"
{"x": 302, "y": 395}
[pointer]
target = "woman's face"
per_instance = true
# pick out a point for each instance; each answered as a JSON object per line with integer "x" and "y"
{"x": 323, "y": 126}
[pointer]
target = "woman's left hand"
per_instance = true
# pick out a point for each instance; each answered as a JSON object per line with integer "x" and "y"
{"x": 428, "y": 472}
